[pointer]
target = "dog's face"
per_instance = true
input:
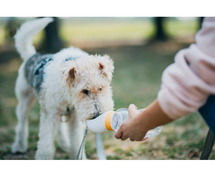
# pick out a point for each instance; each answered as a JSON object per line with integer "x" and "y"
{"x": 88, "y": 81}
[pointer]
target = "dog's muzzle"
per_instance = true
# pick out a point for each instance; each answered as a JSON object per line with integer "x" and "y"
{"x": 96, "y": 115}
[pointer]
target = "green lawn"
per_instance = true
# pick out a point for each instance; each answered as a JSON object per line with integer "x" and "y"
{"x": 94, "y": 30}
{"x": 136, "y": 79}
{"x": 107, "y": 30}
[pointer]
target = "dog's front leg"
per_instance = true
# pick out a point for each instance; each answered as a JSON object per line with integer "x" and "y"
{"x": 62, "y": 134}
{"x": 45, "y": 146}
{"x": 76, "y": 134}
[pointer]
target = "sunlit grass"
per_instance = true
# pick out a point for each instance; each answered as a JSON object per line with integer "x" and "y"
{"x": 2, "y": 35}
{"x": 106, "y": 30}
{"x": 114, "y": 29}
{"x": 180, "y": 28}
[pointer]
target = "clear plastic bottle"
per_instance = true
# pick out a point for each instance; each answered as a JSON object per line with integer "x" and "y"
{"x": 112, "y": 121}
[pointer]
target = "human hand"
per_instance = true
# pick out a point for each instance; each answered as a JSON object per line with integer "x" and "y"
{"x": 131, "y": 127}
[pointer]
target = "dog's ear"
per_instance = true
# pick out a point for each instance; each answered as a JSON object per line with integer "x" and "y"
{"x": 106, "y": 67}
{"x": 71, "y": 76}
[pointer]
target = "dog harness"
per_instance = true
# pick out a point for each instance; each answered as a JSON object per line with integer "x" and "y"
{"x": 34, "y": 70}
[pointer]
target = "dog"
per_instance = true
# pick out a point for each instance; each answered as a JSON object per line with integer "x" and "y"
{"x": 70, "y": 85}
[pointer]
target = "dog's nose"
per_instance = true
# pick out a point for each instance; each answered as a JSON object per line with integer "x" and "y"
{"x": 96, "y": 115}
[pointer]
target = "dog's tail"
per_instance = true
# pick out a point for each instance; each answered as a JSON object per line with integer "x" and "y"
{"x": 24, "y": 36}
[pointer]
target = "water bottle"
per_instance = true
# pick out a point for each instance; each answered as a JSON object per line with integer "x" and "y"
{"x": 112, "y": 120}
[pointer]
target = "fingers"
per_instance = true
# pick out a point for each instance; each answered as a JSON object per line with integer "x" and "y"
{"x": 119, "y": 133}
{"x": 121, "y": 136}
{"x": 138, "y": 138}
{"x": 145, "y": 138}
{"x": 124, "y": 137}
{"x": 132, "y": 139}
{"x": 132, "y": 109}
{"x": 125, "y": 129}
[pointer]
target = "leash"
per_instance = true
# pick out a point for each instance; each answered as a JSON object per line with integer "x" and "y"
{"x": 81, "y": 148}
{"x": 99, "y": 147}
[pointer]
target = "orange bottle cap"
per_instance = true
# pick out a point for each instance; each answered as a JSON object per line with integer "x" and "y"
{"x": 108, "y": 120}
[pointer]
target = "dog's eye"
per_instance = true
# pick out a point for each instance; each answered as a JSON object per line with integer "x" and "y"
{"x": 100, "y": 88}
{"x": 85, "y": 91}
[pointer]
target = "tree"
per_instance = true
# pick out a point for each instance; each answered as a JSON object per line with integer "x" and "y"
{"x": 159, "y": 29}
{"x": 200, "y": 22}
{"x": 11, "y": 28}
{"x": 52, "y": 41}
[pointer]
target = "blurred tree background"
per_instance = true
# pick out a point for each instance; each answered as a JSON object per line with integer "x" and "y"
{"x": 141, "y": 49}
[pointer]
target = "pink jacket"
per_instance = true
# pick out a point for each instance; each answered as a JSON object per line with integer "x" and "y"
{"x": 187, "y": 83}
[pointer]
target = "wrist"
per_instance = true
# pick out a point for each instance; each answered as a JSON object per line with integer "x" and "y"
{"x": 142, "y": 121}
{"x": 152, "y": 117}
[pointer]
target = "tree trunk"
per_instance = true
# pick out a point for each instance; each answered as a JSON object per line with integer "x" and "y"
{"x": 52, "y": 41}
{"x": 200, "y": 22}
{"x": 159, "y": 27}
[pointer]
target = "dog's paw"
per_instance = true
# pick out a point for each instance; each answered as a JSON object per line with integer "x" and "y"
{"x": 18, "y": 148}
{"x": 43, "y": 156}
{"x": 64, "y": 147}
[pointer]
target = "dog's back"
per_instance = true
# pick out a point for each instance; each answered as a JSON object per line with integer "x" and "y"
{"x": 24, "y": 45}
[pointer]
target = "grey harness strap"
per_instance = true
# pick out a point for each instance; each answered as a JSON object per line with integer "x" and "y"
{"x": 34, "y": 70}
{"x": 39, "y": 73}
{"x": 41, "y": 65}
{"x": 35, "y": 67}
{"x": 71, "y": 58}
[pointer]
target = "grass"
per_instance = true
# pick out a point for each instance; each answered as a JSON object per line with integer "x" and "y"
{"x": 137, "y": 79}
{"x": 175, "y": 28}
{"x": 95, "y": 30}
{"x": 116, "y": 30}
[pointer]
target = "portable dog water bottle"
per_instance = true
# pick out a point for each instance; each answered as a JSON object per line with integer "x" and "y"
{"x": 112, "y": 120}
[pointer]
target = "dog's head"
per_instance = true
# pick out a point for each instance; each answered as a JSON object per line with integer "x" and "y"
{"x": 88, "y": 79}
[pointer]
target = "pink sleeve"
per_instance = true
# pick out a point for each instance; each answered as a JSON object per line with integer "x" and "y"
{"x": 188, "y": 82}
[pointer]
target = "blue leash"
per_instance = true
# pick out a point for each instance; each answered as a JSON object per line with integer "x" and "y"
{"x": 81, "y": 148}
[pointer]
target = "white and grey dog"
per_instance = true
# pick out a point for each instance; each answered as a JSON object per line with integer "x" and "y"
{"x": 70, "y": 84}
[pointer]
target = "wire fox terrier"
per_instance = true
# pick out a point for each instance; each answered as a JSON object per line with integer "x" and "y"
{"x": 70, "y": 84}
